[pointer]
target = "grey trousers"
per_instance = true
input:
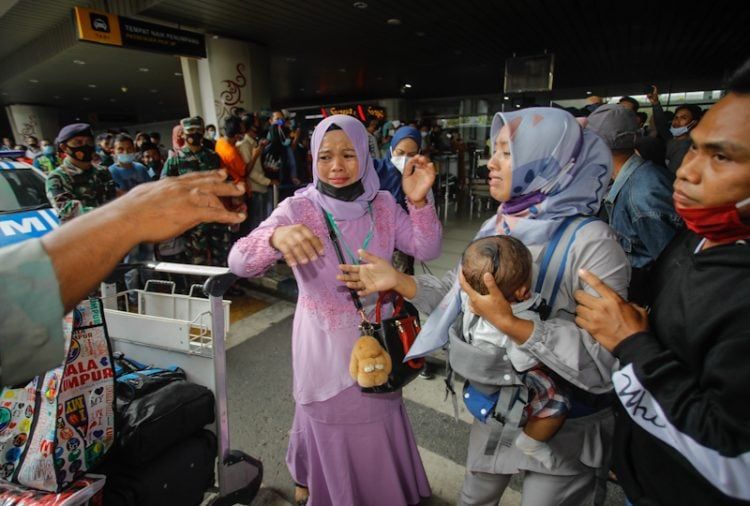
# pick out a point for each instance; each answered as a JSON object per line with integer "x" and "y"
{"x": 486, "y": 489}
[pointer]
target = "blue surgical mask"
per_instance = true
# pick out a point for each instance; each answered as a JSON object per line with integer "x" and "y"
{"x": 678, "y": 131}
{"x": 48, "y": 150}
{"x": 125, "y": 157}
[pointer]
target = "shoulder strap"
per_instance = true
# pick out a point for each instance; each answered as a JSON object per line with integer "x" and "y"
{"x": 552, "y": 270}
{"x": 340, "y": 255}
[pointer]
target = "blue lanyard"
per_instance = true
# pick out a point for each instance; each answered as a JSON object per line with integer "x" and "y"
{"x": 354, "y": 258}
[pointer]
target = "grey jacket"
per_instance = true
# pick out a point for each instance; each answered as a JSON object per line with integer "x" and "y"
{"x": 563, "y": 347}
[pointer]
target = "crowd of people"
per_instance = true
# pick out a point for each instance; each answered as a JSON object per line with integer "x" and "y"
{"x": 603, "y": 309}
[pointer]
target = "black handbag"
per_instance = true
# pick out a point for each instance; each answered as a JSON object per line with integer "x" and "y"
{"x": 396, "y": 334}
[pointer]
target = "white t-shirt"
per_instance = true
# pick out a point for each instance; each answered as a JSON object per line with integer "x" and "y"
{"x": 482, "y": 334}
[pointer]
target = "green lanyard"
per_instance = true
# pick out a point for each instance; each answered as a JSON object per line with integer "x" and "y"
{"x": 354, "y": 258}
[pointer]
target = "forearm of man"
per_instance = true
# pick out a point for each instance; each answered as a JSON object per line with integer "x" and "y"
{"x": 84, "y": 254}
{"x": 254, "y": 158}
{"x": 660, "y": 122}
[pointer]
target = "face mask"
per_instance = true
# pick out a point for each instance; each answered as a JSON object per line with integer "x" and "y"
{"x": 195, "y": 139}
{"x": 400, "y": 162}
{"x": 125, "y": 157}
{"x": 720, "y": 224}
{"x": 82, "y": 153}
{"x": 678, "y": 131}
{"x": 347, "y": 193}
{"x": 48, "y": 150}
{"x": 423, "y": 134}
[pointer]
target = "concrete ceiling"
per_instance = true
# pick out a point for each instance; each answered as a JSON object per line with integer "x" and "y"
{"x": 327, "y": 51}
{"x": 89, "y": 78}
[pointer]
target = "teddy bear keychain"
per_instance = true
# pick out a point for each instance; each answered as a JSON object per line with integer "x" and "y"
{"x": 370, "y": 364}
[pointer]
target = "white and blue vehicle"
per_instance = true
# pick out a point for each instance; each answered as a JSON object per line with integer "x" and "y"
{"x": 25, "y": 211}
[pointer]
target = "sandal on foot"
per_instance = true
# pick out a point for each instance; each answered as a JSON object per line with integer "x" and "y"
{"x": 301, "y": 495}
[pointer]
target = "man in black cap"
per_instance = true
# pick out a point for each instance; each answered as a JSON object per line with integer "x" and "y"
{"x": 77, "y": 186}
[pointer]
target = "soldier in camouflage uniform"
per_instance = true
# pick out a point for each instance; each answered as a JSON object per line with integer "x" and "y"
{"x": 77, "y": 186}
{"x": 206, "y": 244}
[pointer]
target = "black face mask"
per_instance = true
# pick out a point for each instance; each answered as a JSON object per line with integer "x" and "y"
{"x": 347, "y": 193}
{"x": 83, "y": 153}
{"x": 195, "y": 139}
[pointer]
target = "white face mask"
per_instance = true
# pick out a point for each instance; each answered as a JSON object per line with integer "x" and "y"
{"x": 400, "y": 162}
{"x": 678, "y": 131}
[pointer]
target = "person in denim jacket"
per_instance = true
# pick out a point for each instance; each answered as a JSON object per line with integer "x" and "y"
{"x": 638, "y": 205}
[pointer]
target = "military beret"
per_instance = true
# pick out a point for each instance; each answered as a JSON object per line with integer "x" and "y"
{"x": 69, "y": 131}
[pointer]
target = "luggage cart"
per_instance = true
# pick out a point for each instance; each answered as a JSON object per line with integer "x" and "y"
{"x": 189, "y": 332}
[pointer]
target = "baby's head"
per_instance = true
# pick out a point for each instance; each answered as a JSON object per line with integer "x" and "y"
{"x": 506, "y": 258}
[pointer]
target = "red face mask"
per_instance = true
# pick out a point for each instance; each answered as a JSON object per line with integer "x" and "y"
{"x": 721, "y": 224}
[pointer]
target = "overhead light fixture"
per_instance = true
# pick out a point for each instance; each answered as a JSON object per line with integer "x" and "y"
{"x": 518, "y": 106}
{"x": 178, "y": 74}
{"x": 143, "y": 69}
{"x": 34, "y": 81}
{"x": 124, "y": 89}
{"x": 506, "y": 97}
{"x": 588, "y": 93}
{"x": 394, "y": 21}
{"x": 407, "y": 85}
{"x": 360, "y": 5}
{"x": 79, "y": 62}
{"x": 92, "y": 86}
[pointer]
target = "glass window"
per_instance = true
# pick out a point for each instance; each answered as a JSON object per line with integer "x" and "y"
{"x": 20, "y": 189}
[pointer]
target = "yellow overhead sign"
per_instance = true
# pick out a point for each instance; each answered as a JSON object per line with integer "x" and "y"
{"x": 104, "y": 28}
{"x": 97, "y": 26}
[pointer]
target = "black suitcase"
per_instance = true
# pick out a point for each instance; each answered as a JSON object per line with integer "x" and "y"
{"x": 180, "y": 476}
{"x": 150, "y": 424}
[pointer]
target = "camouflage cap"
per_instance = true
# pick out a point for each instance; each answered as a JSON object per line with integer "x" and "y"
{"x": 192, "y": 123}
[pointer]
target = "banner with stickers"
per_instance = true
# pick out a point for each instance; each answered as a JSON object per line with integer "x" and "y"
{"x": 61, "y": 424}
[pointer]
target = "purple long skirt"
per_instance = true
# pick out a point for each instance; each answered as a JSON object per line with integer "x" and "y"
{"x": 356, "y": 449}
